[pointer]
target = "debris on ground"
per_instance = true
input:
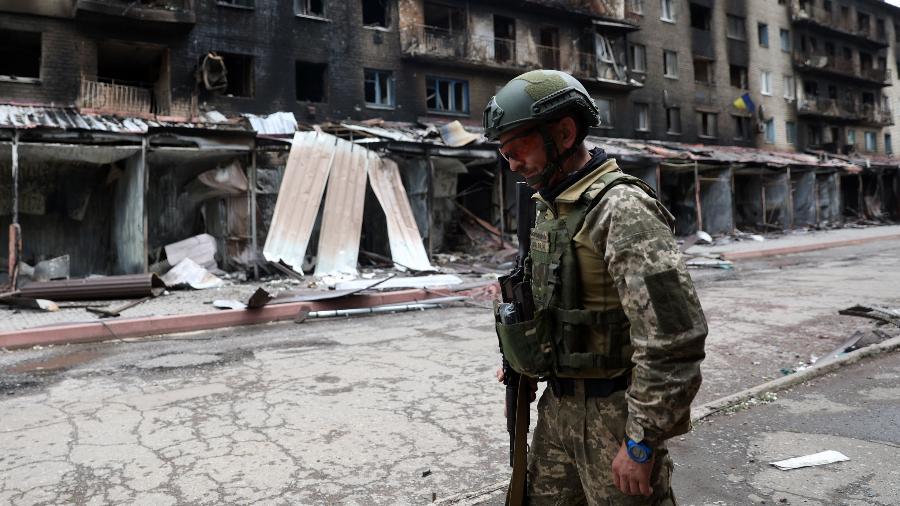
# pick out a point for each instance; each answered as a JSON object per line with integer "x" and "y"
{"x": 189, "y": 273}
{"x": 128, "y": 286}
{"x": 115, "y": 312}
{"x": 30, "y": 303}
{"x": 816, "y": 459}
{"x": 46, "y": 270}
{"x": 405, "y": 282}
{"x": 883, "y": 315}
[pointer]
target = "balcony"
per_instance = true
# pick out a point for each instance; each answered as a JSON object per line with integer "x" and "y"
{"x": 877, "y": 116}
{"x": 114, "y": 98}
{"x": 828, "y": 108}
{"x": 634, "y": 11}
{"x": 548, "y": 57}
{"x": 435, "y": 42}
{"x": 156, "y": 11}
{"x": 806, "y": 13}
{"x": 843, "y": 67}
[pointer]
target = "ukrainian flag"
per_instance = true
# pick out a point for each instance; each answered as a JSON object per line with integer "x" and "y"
{"x": 744, "y": 103}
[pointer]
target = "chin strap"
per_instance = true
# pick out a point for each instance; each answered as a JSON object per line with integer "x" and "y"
{"x": 555, "y": 159}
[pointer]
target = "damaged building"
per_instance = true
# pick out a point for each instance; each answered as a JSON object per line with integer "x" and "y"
{"x": 127, "y": 126}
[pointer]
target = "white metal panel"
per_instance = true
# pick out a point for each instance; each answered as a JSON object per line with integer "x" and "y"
{"x": 342, "y": 216}
{"x": 403, "y": 234}
{"x": 309, "y": 163}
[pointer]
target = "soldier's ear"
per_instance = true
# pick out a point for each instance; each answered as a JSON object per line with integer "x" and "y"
{"x": 568, "y": 131}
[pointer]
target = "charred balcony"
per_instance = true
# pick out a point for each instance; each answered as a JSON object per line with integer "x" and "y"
{"x": 839, "y": 66}
{"x": 839, "y": 23}
{"x": 154, "y": 11}
{"x": 848, "y": 110}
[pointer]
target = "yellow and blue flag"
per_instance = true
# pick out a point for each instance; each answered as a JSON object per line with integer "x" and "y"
{"x": 744, "y": 103}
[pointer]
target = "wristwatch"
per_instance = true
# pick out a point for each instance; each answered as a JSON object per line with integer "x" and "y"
{"x": 639, "y": 452}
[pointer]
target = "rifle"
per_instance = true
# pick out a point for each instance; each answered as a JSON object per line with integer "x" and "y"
{"x": 518, "y": 306}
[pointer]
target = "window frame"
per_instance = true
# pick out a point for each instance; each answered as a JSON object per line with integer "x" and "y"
{"x": 870, "y": 134}
{"x": 634, "y": 52}
{"x": 669, "y": 129}
{"x": 307, "y": 14}
{"x": 667, "y": 11}
{"x": 641, "y": 107}
{"x": 762, "y": 32}
{"x": 703, "y": 124}
{"x": 790, "y": 88}
{"x": 236, "y": 4}
{"x": 729, "y": 19}
{"x": 23, "y": 79}
{"x": 790, "y": 132}
{"x": 666, "y": 69}
{"x": 452, "y": 95}
{"x": 765, "y": 82}
{"x": 785, "y": 40}
{"x": 610, "y": 110}
{"x": 391, "y": 84}
{"x": 769, "y": 134}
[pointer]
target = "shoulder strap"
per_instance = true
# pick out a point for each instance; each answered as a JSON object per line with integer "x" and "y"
{"x": 595, "y": 192}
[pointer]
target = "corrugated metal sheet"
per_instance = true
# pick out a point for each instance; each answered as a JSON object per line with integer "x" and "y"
{"x": 108, "y": 287}
{"x": 403, "y": 234}
{"x": 279, "y": 123}
{"x": 33, "y": 152}
{"x": 309, "y": 163}
{"x": 342, "y": 216}
{"x": 67, "y": 118}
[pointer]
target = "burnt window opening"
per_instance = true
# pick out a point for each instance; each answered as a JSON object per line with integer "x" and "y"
{"x": 309, "y": 8}
{"x": 703, "y": 71}
{"x": 700, "y": 17}
{"x": 445, "y": 18}
{"x": 449, "y": 96}
{"x": 504, "y": 39}
{"x": 738, "y": 76}
{"x": 811, "y": 88}
{"x": 128, "y": 64}
{"x": 862, "y": 23}
{"x": 20, "y": 54}
{"x": 310, "y": 81}
{"x": 375, "y": 13}
{"x": 239, "y": 74}
{"x": 548, "y": 50}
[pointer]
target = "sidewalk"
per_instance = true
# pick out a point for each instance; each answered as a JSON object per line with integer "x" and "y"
{"x": 797, "y": 242}
{"x": 726, "y": 459}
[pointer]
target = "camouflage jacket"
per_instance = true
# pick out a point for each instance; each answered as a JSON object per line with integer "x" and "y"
{"x": 628, "y": 258}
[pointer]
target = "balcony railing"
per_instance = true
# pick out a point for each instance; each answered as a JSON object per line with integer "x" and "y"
{"x": 874, "y": 115}
{"x": 842, "y": 66}
{"x": 504, "y": 50}
{"x": 829, "y": 107}
{"x": 806, "y": 11}
{"x": 435, "y": 41}
{"x": 115, "y": 98}
{"x": 548, "y": 57}
{"x": 585, "y": 64}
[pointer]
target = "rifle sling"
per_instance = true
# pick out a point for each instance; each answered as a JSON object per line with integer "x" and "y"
{"x": 515, "y": 494}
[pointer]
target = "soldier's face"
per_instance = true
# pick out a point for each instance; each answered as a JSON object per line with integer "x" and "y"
{"x": 523, "y": 148}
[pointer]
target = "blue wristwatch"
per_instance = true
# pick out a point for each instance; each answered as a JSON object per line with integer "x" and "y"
{"x": 639, "y": 452}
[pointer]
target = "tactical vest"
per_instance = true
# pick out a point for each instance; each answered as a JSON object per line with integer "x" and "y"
{"x": 554, "y": 343}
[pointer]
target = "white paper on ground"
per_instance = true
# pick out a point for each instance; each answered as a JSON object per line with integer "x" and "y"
{"x": 816, "y": 459}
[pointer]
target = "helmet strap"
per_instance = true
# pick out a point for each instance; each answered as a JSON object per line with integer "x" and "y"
{"x": 555, "y": 159}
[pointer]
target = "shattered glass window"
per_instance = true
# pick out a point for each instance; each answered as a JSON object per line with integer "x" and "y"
{"x": 447, "y": 95}
{"x": 379, "y": 88}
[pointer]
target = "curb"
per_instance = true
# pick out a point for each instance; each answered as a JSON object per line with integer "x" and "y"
{"x": 712, "y": 407}
{"x": 475, "y": 497}
{"x": 744, "y": 255}
{"x": 104, "y": 330}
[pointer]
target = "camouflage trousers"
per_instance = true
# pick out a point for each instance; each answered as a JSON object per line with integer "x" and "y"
{"x": 574, "y": 443}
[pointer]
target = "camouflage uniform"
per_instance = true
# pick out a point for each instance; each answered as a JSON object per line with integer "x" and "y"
{"x": 627, "y": 259}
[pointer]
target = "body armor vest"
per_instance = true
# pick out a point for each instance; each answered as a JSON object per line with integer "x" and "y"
{"x": 556, "y": 343}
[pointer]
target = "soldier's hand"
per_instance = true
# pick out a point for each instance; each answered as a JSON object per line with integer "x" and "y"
{"x": 629, "y": 476}
{"x": 531, "y": 382}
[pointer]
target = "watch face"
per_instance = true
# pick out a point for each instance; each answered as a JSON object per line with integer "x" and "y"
{"x": 638, "y": 452}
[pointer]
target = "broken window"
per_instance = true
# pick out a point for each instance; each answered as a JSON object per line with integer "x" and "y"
{"x": 239, "y": 74}
{"x": 642, "y": 117}
{"x": 447, "y": 95}
{"x": 605, "y": 106}
{"x": 741, "y": 127}
{"x": 670, "y": 64}
{"x": 548, "y": 50}
{"x": 309, "y": 8}
{"x": 379, "y": 88}
{"x": 310, "y": 81}
{"x": 810, "y": 88}
{"x": 375, "y": 13}
{"x": 735, "y": 28}
{"x": 700, "y": 17}
{"x": 814, "y": 135}
{"x": 131, "y": 79}
{"x": 673, "y": 120}
{"x": 20, "y": 54}
{"x": 638, "y": 58}
{"x": 445, "y": 17}
{"x": 244, "y": 4}
{"x": 703, "y": 71}
{"x": 862, "y": 23}
{"x": 738, "y": 76}
{"x": 504, "y": 39}
{"x": 790, "y": 131}
{"x": 708, "y": 122}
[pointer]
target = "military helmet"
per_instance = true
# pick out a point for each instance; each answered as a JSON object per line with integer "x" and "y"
{"x": 538, "y": 95}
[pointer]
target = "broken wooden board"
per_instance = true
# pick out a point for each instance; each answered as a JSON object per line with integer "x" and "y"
{"x": 309, "y": 163}
{"x": 403, "y": 233}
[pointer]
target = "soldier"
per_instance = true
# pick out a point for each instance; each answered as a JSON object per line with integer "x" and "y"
{"x": 618, "y": 332}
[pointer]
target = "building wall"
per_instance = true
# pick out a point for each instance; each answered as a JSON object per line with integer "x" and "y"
{"x": 776, "y": 61}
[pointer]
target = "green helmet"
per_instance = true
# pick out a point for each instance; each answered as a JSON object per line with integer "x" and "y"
{"x": 538, "y": 95}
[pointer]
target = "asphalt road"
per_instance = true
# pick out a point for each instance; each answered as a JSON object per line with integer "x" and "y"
{"x": 395, "y": 409}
